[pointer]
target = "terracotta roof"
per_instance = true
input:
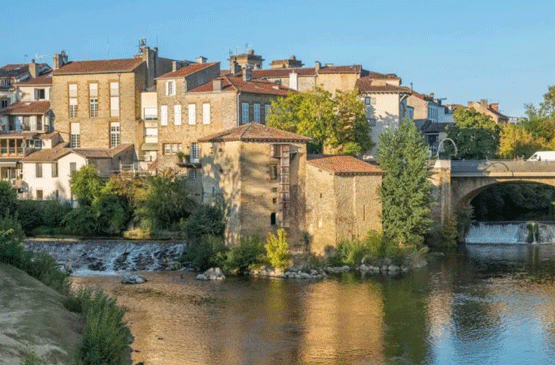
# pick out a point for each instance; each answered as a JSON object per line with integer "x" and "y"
{"x": 380, "y": 76}
{"x": 99, "y": 66}
{"x": 45, "y": 79}
{"x": 365, "y": 84}
{"x": 48, "y": 154}
{"x": 122, "y": 147}
{"x": 254, "y": 86}
{"x": 306, "y": 71}
{"x": 14, "y": 70}
{"x": 254, "y": 132}
{"x": 187, "y": 70}
{"x": 225, "y": 72}
{"x": 344, "y": 165}
{"x": 49, "y": 135}
{"x": 61, "y": 149}
{"x": 27, "y": 107}
{"x": 12, "y": 134}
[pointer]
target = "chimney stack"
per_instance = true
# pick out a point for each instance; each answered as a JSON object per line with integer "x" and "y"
{"x": 484, "y": 103}
{"x": 174, "y": 66}
{"x": 217, "y": 84}
{"x": 59, "y": 60}
{"x": 317, "y": 66}
{"x": 247, "y": 74}
{"x": 201, "y": 59}
{"x": 235, "y": 68}
{"x": 33, "y": 69}
{"x": 494, "y": 106}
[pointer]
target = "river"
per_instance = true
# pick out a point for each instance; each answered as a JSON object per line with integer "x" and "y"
{"x": 485, "y": 304}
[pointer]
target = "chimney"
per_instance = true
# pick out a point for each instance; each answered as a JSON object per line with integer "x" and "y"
{"x": 317, "y": 66}
{"x": 201, "y": 59}
{"x": 59, "y": 60}
{"x": 217, "y": 84}
{"x": 247, "y": 74}
{"x": 33, "y": 69}
{"x": 235, "y": 68}
{"x": 174, "y": 66}
{"x": 494, "y": 106}
{"x": 484, "y": 103}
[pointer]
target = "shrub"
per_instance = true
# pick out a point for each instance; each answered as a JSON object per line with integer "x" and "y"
{"x": 54, "y": 211}
{"x": 8, "y": 198}
{"x": 81, "y": 221}
{"x": 247, "y": 255}
{"x": 111, "y": 214}
{"x": 205, "y": 253}
{"x": 352, "y": 252}
{"x": 105, "y": 337}
{"x": 31, "y": 358}
{"x": 207, "y": 219}
{"x": 29, "y": 215}
{"x": 449, "y": 232}
{"x": 277, "y": 249}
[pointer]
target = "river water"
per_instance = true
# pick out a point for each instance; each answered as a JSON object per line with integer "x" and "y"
{"x": 486, "y": 304}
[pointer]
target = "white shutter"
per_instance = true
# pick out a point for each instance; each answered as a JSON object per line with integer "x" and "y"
{"x": 163, "y": 115}
{"x": 206, "y": 113}
{"x": 177, "y": 114}
{"x": 192, "y": 114}
{"x": 75, "y": 128}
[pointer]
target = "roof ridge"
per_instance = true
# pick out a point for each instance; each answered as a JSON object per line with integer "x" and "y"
{"x": 231, "y": 83}
{"x": 246, "y": 129}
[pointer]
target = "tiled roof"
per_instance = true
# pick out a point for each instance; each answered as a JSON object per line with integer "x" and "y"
{"x": 13, "y": 134}
{"x": 60, "y": 150}
{"x": 49, "y": 135}
{"x": 14, "y": 70}
{"x": 27, "y": 107}
{"x": 45, "y": 79}
{"x": 187, "y": 70}
{"x": 305, "y": 71}
{"x": 377, "y": 75}
{"x": 344, "y": 165}
{"x": 254, "y": 86}
{"x": 122, "y": 147}
{"x": 254, "y": 132}
{"x": 99, "y": 66}
{"x": 365, "y": 84}
{"x": 48, "y": 154}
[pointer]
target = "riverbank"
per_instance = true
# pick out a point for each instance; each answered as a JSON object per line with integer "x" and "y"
{"x": 33, "y": 317}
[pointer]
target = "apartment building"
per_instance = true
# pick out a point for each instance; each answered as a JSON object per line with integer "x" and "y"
{"x": 12, "y": 74}
{"x": 195, "y": 101}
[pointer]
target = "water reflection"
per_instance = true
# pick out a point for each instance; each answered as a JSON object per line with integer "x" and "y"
{"x": 481, "y": 305}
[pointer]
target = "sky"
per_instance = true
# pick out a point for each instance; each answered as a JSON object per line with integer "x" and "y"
{"x": 503, "y": 51}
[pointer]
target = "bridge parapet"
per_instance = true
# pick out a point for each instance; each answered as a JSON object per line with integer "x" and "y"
{"x": 501, "y": 168}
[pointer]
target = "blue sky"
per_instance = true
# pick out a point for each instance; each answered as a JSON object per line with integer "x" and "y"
{"x": 503, "y": 51}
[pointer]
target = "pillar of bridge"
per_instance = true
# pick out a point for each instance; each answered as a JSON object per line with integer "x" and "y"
{"x": 441, "y": 195}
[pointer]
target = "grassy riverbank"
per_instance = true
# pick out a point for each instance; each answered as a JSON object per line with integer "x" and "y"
{"x": 33, "y": 318}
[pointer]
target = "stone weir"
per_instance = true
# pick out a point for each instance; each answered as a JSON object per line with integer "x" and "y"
{"x": 89, "y": 257}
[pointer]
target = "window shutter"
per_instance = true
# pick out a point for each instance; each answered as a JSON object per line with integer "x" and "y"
{"x": 206, "y": 113}
{"x": 177, "y": 114}
{"x": 164, "y": 115}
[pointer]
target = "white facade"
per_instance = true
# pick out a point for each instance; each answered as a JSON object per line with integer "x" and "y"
{"x": 149, "y": 110}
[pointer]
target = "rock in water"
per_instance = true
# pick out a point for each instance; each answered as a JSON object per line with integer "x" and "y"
{"x": 133, "y": 279}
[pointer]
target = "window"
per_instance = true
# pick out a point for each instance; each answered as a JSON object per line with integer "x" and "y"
{"x": 40, "y": 94}
{"x": 193, "y": 175}
{"x": 54, "y": 167}
{"x": 273, "y": 172}
{"x": 72, "y": 167}
{"x": 257, "y": 113}
{"x": 192, "y": 114}
{"x": 266, "y": 112}
{"x": 114, "y": 99}
{"x": 273, "y": 220}
{"x": 37, "y": 144}
{"x": 164, "y": 115}
{"x": 170, "y": 88}
{"x": 93, "y": 100}
{"x": 115, "y": 134}
{"x": 72, "y": 100}
{"x": 150, "y": 113}
{"x": 39, "y": 123}
{"x": 195, "y": 152}
{"x": 367, "y": 100}
{"x": 172, "y": 148}
{"x": 39, "y": 195}
{"x": 38, "y": 170}
{"x": 74, "y": 138}
{"x": 244, "y": 113}
{"x": 151, "y": 132}
{"x": 177, "y": 114}
{"x": 3, "y": 103}
{"x": 205, "y": 113}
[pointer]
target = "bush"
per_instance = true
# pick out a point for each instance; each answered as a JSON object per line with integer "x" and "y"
{"x": 105, "y": 337}
{"x": 352, "y": 253}
{"x": 277, "y": 249}
{"x": 205, "y": 220}
{"x": 449, "y": 232}
{"x": 81, "y": 221}
{"x": 29, "y": 215}
{"x": 8, "y": 198}
{"x": 205, "y": 253}
{"x": 247, "y": 255}
{"x": 31, "y": 358}
{"x": 111, "y": 214}
{"x": 54, "y": 211}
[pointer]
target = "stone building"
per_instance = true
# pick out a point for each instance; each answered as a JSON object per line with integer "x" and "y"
{"x": 12, "y": 74}
{"x": 342, "y": 202}
{"x": 195, "y": 101}
{"x": 385, "y": 100}
{"x": 489, "y": 109}
{"x": 97, "y": 104}
{"x": 261, "y": 173}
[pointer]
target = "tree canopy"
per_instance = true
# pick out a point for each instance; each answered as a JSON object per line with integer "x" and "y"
{"x": 336, "y": 123}
{"x": 405, "y": 190}
{"x": 476, "y": 135}
{"x": 516, "y": 141}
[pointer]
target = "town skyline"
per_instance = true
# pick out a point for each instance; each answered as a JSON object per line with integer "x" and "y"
{"x": 458, "y": 51}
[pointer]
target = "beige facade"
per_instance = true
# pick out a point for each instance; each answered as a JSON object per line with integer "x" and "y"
{"x": 492, "y": 110}
{"x": 342, "y": 201}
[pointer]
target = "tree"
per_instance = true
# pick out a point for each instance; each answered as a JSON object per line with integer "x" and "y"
{"x": 166, "y": 200}
{"x": 476, "y": 135}
{"x": 8, "y": 198}
{"x": 85, "y": 184}
{"x": 515, "y": 141}
{"x": 334, "y": 122}
{"x": 405, "y": 189}
{"x": 277, "y": 249}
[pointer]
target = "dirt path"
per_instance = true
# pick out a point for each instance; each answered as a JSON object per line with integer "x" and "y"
{"x": 32, "y": 317}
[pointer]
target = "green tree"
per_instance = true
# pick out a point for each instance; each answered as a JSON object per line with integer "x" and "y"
{"x": 85, "y": 184}
{"x": 476, "y": 135}
{"x": 8, "y": 198}
{"x": 515, "y": 141}
{"x": 277, "y": 249}
{"x": 405, "y": 189}
{"x": 166, "y": 200}
{"x": 335, "y": 122}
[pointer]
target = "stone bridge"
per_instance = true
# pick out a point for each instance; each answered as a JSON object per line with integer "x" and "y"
{"x": 456, "y": 183}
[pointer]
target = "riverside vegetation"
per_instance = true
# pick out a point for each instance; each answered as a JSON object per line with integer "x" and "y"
{"x": 105, "y": 337}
